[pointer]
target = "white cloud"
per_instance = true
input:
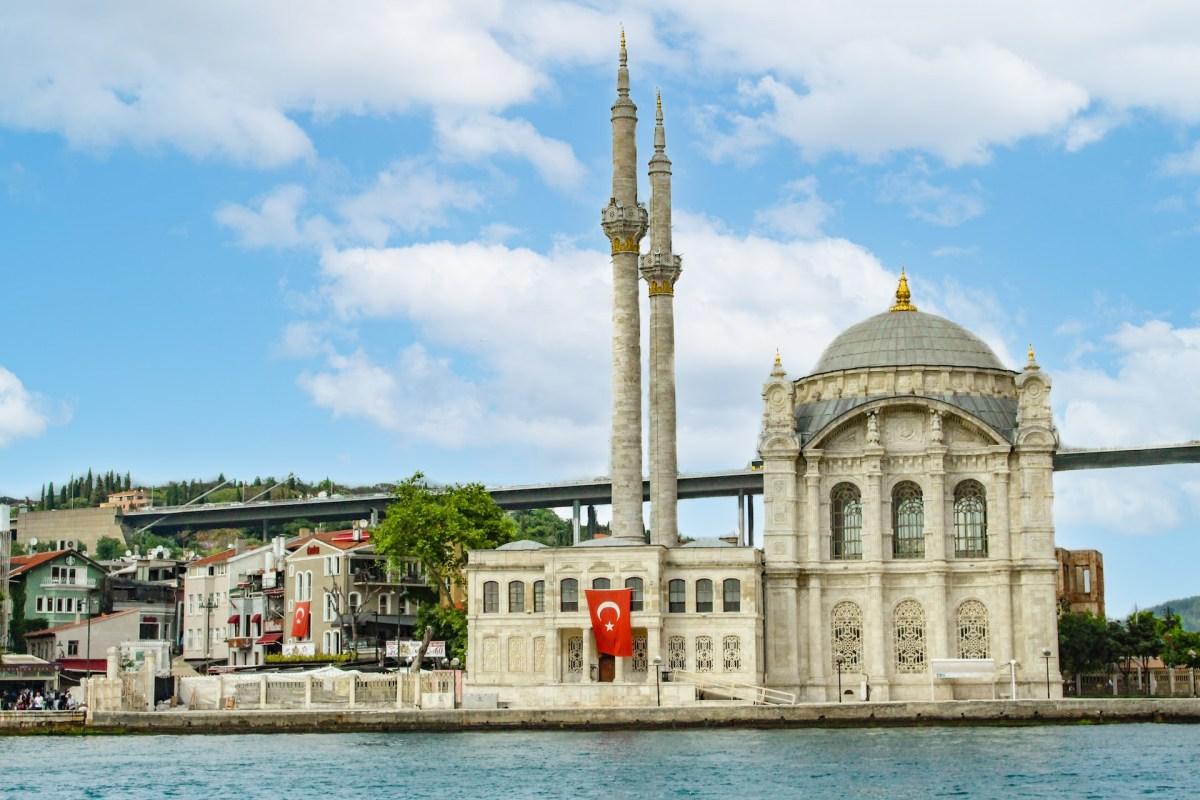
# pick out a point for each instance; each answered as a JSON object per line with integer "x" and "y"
{"x": 802, "y": 213}
{"x": 406, "y": 197}
{"x": 478, "y": 136}
{"x": 1091, "y": 128}
{"x": 927, "y": 201}
{"x": 1183, "y": 163}
{"x": 21, "y": 413}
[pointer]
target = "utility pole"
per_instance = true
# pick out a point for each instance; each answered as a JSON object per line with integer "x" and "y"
{"x": 208, "y": 605}
{"x": 5, "y": 555}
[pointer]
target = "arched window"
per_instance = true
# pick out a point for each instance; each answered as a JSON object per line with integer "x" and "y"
{"x": 569, "y": 595}
{"x": 731, "y": 647}
{"x": 355, "y": 600}
{"x": 704, "y": 654}
{"x": 846, "y": 521}
{"x": 601, "y": 583}
{"x": 908, "y": 624}
{"x": 635, "y": 593}
{"x": 539, "y": 596}
{"x": 516, "y": 597}
{"x": 972, "y": 619}
{"x": 731, "y": 591}
{"x": 676, "y": 596}
{"x": 704, "y": 597}
{"x": 847, "y": 636}
{"x": 908, "y": 521}
{"x": 970, "y": 520}
{"x": 491, "y": 597}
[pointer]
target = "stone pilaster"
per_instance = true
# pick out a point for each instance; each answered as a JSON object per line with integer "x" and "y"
{"x": 624, "y": 222}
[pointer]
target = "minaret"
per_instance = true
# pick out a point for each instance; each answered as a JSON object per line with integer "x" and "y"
{"x": 624, "y": 223}
{"x": 661, "y": 268}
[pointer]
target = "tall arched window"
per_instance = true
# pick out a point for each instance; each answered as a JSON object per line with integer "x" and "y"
{"x": 704, "y": 596}
{"x": 676, "y": 596}
{"x": 516, "y": 597}
{"x": 635, "y": 593}
{"x": 491, "y": 597}
{"x": 972, "y": 619}
{"x": 847, "y": 636}
{"x": 908, "y": 521}
{"x": 539, "y": 596}
{"x": 731, "y": 595}
{"x": 970, "y": 520}
{"x": 569, "y": 595}
{"x": 846, "y": 521}
{"x": 908, "y": 624}
{"x": 601, "y": 583}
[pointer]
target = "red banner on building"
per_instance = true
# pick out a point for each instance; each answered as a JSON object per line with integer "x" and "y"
{"x": 609, "y": 609}
{"x": 300, "y": 620}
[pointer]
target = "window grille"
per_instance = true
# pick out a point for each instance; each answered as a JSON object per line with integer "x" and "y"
{"x": 640, "y": 662}
{"x": 908, "y": 620}
{"x": 970, "y": 520}
{"x": 908, "y": 521}
{"x": 847, "y": 636}
{"x": 846, "y": 522}
{"x": 704, "y": 654}
{"x": 676, "y": 652}
{"x": 732, "y": 651}
{"x": 575, "y": 654}
{"x": 973, "y": 630}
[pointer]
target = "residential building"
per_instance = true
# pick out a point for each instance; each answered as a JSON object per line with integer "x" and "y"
{"x": 130, "y": 500}
{"x": 153, "y": 585}
{"x": 82, "y": 646}
{"x": 206, "y": 612}
{"x": 255, "y": 622}
{"x": 59, "y": 586}
{"x": 1080, "y": 580}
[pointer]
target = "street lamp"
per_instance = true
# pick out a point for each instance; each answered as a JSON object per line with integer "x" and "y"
{"x": 208, "y": 605}
{"x": 838, "y": 661}
{"x": 657, "y": 680}
{"x": 1046, "y": 654}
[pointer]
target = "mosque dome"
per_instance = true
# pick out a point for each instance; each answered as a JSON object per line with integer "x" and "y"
{"x": 906, "y": 337}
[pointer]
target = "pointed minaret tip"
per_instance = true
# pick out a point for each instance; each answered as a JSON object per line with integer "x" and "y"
{"x": 1032, "y": 359}
{"x": 903, "y": 295}
{"x": 624, "y": 55}
{"x": 658, "y": 105}
{"x": 778, "y": 361}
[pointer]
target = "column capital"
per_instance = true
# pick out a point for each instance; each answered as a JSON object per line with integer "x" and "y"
{"x": 624, "y": 225}
{"x": 661, "y": 271}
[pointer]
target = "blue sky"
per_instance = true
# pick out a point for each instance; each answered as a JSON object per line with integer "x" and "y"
{"x": 358, "y": 243}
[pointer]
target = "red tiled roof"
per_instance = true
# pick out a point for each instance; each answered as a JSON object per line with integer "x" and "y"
{"x": 20, "y": 564}
{"x": 224, "y": 555}
{"x": 82, "y": 623}
{"x": 342, "y": 540}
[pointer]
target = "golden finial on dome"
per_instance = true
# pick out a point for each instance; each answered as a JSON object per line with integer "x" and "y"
{"x": 903, "y": 295}
{"x": 778, "y": 362}
{"x": 622, "y": 37}
{"x": 1032, "y": 360}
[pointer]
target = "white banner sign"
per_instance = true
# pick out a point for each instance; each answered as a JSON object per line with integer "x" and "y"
{"x": 300, "y": 649}
{"x": 409, "y": 649}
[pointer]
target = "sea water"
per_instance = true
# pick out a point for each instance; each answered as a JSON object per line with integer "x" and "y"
{"x": 1100, "y": 761}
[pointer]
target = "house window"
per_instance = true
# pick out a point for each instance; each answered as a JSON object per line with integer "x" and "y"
{"x": 634, "y": 585}
{"x": 516, "y": 597}
{"x": 569, "y": 595}
{"x": 330, "y": 608}
{"x": 970, "y": 520}
{"x": 331, "y": 641}
{"x": 845, "y": 505}
{"x": 731, "y": 591}
{"x": 355, "y": 601}
{"x": 908, "y": 521}
{"x": 385, "y": 604}
{"x": 972, "y": 619}
{"x": 676, "y": 596}
{"x": 601, "y": 583}
{"x": 539, "y": 596}
{"x": 908, "y": 621}
{"x": 491, "y": 597}
{"x": 39, "y": 604}
{"x": 1087, "y": 580}
{"x": 72, "y": 647}
{"x": 704, "y": 595}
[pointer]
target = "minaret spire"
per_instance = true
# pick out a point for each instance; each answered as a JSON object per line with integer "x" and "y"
{"x": 624, "y": 222}
{"x": 661, "y": 269}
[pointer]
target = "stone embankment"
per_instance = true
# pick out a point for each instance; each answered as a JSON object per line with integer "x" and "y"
{"x": 1021, "y": 712}
{"x": 42, "y": 721}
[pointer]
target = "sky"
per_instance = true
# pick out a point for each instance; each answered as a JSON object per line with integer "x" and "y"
{"x": 362, "y": 240}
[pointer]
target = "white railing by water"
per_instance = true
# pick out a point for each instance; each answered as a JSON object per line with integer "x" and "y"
{"x": 714, "y": 684}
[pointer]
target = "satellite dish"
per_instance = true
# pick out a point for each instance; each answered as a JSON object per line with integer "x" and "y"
{"x": 128, "y": 552}
{"x": 33, "y": 542}
{"x": 364, "y": 523}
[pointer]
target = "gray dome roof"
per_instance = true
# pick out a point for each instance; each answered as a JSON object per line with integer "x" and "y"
{"x": 905, "y": 339}
{"x": 522, "y": 544}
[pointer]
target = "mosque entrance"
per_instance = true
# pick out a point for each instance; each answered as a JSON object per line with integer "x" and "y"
{"x": 608, "y": 668}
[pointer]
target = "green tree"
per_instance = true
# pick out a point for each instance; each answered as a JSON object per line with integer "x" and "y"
{"x": 1083, "y": 643}
{"x": 542, "y": 525}
{"x": 449, "y": 625}
{"x": 438, "y": 525}
{"x": 109, "y": 548}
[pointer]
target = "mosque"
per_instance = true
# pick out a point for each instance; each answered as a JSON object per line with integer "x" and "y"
{"x": 908, "y": 542}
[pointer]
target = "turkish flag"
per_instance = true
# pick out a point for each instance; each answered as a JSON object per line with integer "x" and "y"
{"x": 300, "y": 620}
{"x": 610, "y": 620}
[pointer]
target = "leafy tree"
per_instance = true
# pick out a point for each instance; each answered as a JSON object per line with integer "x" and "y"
{"x": 437, "y": 526}
{"x": 449, "y": 625}
{"x": 108, "y": 548}
{"x": 542, "y": 525}
{"x": 1083, "y": 643}
{"x": 1180, "y": 647}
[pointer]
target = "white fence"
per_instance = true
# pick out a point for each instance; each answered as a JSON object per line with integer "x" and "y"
{"x": 716, "y": 686}
{"x": 325, "y": 688}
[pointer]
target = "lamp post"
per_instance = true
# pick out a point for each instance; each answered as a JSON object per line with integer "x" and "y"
{"x": 1046, "y": 654}
{"x": 208, "y": 605}
{"x": 837, "y": 660}
{"x": 657, "y": 680}
{"x": 1192, "y": 669}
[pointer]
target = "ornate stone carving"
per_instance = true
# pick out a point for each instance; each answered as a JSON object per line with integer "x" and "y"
{"x": 491, "y": 654}
{"x": 731, "y": 650}
{"x": 661, "y": 271}
{"x": 905, "y": 429}
{"x": 539, "y": 654}
{"x": 575, "y": 654}
{"x": 935, "y": 426}
{"x": 704, "y": 654}
{"x": 973, "y": 640}
{"x": 846, "y": 636}
{"x": 624, "y": 225}
{"x": 850, "y": 437}
{"x": 640, "y": 661}
{"x": 873, "y": 427}
{"x": 909, "y": 636}
{"x": 516, "y": 654}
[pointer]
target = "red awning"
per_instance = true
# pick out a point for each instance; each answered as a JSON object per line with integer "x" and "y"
{"x": 270, "y": 638}
{"x": 84, "y": 664}
{"x": 256, "y": 618}
{"x": 234, "y": 619}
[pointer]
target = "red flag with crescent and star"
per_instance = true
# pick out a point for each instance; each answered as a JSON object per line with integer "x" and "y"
{"x": 300, "y": 620}
{"x": 610, "y": 620}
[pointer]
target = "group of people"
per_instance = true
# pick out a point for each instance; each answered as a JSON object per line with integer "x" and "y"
{"x": 35, "y": 700}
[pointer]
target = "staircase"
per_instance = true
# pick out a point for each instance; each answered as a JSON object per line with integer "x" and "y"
{"x": 713, "y": 687}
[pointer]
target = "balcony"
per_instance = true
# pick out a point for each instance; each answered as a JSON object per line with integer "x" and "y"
{"x": 81, "y": 583}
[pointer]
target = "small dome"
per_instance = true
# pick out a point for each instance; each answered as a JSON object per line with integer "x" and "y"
{"x": 906, "y": 339}
{"x": 522, "y": 544}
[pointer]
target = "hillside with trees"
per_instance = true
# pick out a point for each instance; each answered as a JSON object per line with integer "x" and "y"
{"x": 1187, "y": 608}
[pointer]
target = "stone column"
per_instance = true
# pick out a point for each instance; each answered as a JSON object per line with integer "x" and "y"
{"x": 624, "y": 223}
{"x": 818, "y": 655}
{"x": 818, "y": 548}
{"x": 589, "y": 655}
{"x": 877, "y": 626}
{"x": 999, "y": 533}
{"x": 872, "y": 529}
{"x": 937, "y": 533}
